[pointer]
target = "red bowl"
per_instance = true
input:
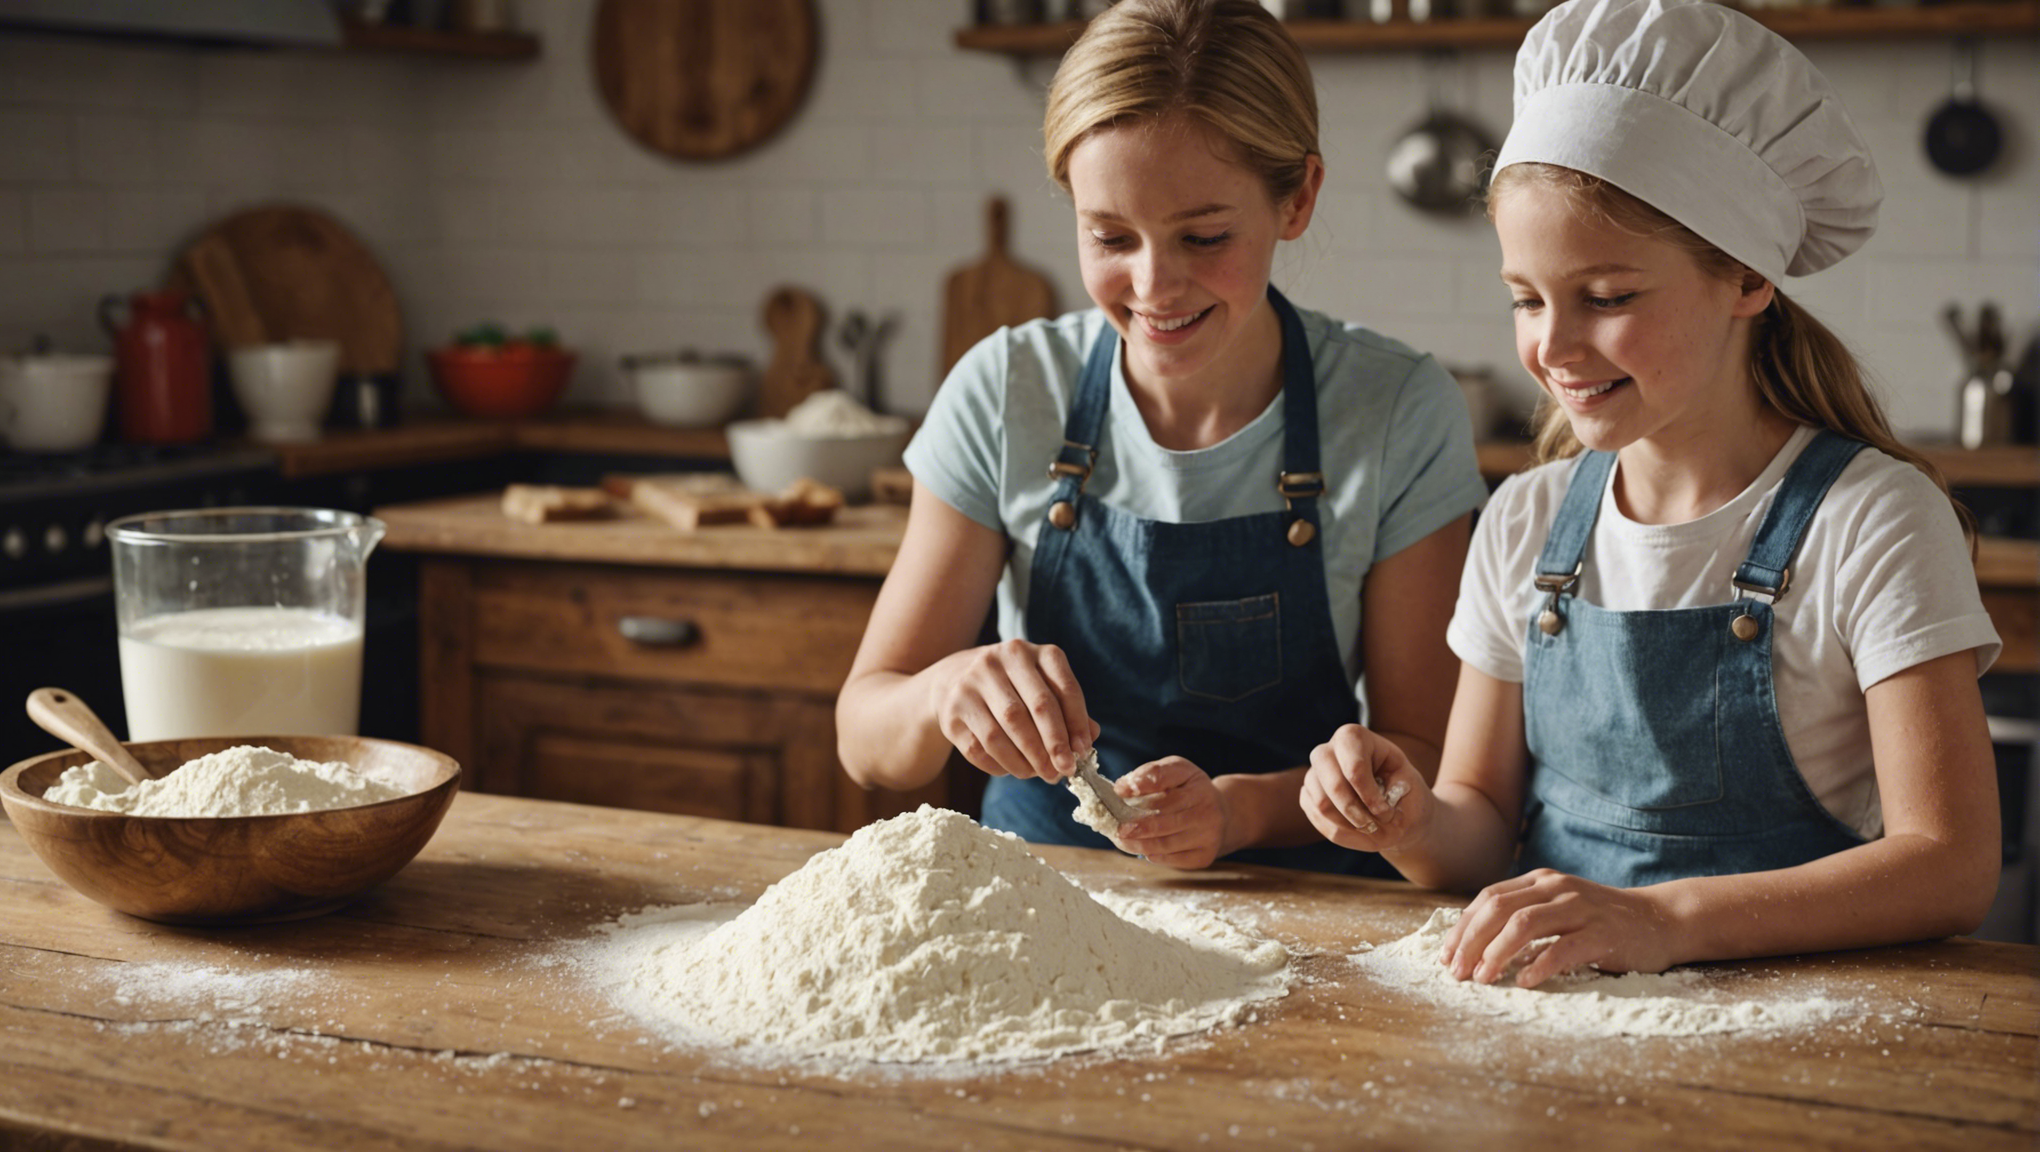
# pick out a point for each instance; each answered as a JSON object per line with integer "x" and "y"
{"x": 501, "y": 382}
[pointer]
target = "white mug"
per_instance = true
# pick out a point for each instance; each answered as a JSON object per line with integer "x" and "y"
{"x": 284, "y": 388}
{"x": 53, "y": 403}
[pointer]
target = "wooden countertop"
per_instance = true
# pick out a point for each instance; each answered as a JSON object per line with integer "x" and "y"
{"x": 425, "y": 1017}
{"x": 431, "y": 440}
{"x": 861, "y": 542}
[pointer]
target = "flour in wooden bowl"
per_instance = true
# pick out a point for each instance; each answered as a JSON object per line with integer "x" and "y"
{"x": 239, "y": 781}
{"x": 929, "y": 938}
{"x": 1587, "y": 1003}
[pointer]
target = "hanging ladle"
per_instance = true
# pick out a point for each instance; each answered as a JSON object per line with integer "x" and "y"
{"x": 71, "y": 720}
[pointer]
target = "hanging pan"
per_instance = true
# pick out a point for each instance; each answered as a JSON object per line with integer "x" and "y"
{"x": 1963, "y": 137}
{"x": 1440, "y": 164}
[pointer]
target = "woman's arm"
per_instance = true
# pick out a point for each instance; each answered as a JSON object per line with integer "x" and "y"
{"x": 921, "y": 684}
{"x": 1933, "y": 873}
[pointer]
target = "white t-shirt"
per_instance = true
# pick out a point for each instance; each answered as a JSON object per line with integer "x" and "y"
{"x": 1394, "y": 442}
{"x": 1881, "y": 582}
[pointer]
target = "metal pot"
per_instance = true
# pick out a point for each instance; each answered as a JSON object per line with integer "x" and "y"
{"x": 1441, "y": 164}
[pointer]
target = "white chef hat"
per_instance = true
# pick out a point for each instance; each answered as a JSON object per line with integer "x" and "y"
{"x": 1705, "y": 115}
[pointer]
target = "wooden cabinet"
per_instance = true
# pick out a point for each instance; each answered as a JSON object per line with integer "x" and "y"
{"x": 700, "y": 692}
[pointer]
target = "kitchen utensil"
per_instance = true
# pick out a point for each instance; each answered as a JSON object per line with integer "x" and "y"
{"x": 53, "y": 403}
{"x": 73, "y": 721}
{"x": 768, "y": 456}
{"x": 993, "y": 292}
{"x": 704, "y": 79}
{"x": 284, "y": 388}
{"x": 686, "y": 390}
{"x": 308, "y": 278}
{"x": 161, "y": 371}
{"x": 501, "y": 383}
{"x": 216, "y": 273}
{"x": 1440, "y": 164}
{"x": 1087, "y": 767}
{"x": 241, "y": 621}
{"x": 234, "y": 869}
{"x": 865, "y": 342}
{"x": 796, "y": 372}
{"x": 1962, "y": 136}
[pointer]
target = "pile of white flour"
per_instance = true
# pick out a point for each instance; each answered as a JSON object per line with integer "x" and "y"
{"x": 1587, "y": 1003}
{"x": 928, "y": 938}
{"x": 240, "y": 781}
{"x": 834, "y": 413}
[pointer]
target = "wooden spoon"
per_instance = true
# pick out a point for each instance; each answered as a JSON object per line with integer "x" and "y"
{"x": 73, "y": 721}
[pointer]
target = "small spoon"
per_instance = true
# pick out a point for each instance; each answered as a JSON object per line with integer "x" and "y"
{"x": 73, "y": 721}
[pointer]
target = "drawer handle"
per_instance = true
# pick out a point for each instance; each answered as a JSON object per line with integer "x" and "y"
{"x": 658, "y": 631}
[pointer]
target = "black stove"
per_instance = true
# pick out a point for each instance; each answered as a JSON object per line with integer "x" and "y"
{"x": 54, "y": 507}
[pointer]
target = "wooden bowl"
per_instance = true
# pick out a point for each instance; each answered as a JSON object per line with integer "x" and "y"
{"x": 235, "y": 869}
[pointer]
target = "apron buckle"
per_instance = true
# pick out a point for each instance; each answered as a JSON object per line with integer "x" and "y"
{"x": 1063, "y": 513}
{"x": 1550, "y": 621}
{"x": 1296, "y": 486}
{"x": 1744, "y": 626}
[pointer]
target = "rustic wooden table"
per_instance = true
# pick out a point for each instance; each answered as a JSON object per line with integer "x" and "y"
{"x": 426, "y": 1016}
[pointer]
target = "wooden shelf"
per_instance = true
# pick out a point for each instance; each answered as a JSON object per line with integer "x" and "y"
{"x": 1963, "y": 18}
{"x": 405, "y": 40}
{"x": 432, "y": 439}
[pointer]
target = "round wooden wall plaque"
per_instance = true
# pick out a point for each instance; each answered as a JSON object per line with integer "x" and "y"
{"x": 704, "y": 79}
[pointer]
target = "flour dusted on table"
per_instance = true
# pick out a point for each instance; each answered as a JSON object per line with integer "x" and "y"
{"x": 241, "y": 781}
{"x": 928, "y": 937}
{"x": 1587, "y": 1003}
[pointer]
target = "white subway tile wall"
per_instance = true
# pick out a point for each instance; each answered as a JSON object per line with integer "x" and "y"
{"x": 505, "y": 191}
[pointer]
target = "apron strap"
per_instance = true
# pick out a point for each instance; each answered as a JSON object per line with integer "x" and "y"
{"x": 1767, "y": 568}
{"x": 1301, "y": 481}
{"x": 1565, "y": 548}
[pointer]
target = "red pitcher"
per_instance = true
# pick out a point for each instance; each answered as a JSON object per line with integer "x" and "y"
{"x": 163, "y": 383}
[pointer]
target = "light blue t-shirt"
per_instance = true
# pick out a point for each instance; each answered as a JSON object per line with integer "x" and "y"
{"x": 1394, "y": 441}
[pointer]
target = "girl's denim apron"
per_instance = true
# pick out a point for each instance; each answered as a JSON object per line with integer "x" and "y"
{"x": 1655, "y": 746}
{"x": 1209, "y": 641}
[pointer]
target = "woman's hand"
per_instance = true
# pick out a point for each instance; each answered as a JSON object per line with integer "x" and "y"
{"x": 1185, "y": 825}
{"x": 1014, "y": 709}
{"x": 1362, "y": 793}
{"x": 1612, "y": 929}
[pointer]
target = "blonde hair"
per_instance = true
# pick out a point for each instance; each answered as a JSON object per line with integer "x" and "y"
{"x": 1801, "y": 370}
{"x": 1227, "y": 63}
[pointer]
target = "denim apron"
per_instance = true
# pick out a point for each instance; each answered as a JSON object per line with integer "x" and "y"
{"x": 1655, "y": 746}
{"x": 1211, "y": 641}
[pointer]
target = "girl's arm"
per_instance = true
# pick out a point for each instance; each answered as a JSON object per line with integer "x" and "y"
{"x": 1932, "y": 874}
{"x": 921, "y": 685}
{"x": 1459, "y": 834}
{"x": 1405, "y": 604}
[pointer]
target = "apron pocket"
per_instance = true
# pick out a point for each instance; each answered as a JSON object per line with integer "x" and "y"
{"x": 1229, "y": 649}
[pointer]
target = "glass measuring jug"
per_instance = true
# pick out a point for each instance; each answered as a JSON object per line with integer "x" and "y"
{"x": 241, "y": 621}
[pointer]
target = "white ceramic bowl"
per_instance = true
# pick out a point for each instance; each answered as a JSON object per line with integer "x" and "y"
{"x": 53, "y": 403}
{"x": 689, "y": 394}
{"x": 284, "y": 388}
{"x": 768, "y": 456}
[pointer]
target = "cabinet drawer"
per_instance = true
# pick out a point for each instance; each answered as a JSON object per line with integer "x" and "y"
{"x": 749, "y": 630}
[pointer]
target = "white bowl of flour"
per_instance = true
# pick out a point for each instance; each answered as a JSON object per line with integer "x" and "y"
{"x": 235, "y": 829}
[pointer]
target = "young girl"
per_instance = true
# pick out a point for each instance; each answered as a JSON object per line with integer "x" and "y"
{"x": 1719, "y": 688}
{"x": 1202, "y": 511}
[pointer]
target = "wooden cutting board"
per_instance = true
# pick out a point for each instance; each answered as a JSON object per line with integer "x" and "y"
{"x": 284, "y": 272}
{"x": 795, "y": 320}
{"x": 997, "y": 290}
{"x": 704, "y": 79}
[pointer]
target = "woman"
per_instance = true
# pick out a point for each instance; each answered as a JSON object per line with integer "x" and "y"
{"x": 1186, "y": 500}
{"x": 1720, "y": 693}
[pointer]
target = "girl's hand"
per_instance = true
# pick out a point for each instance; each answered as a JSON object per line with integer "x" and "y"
{"x": 1613, "y": 929}
{"x": 1014, "y": 709}
{"x": 1361, "y": 792}
{"x": 1185, "y": 825}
